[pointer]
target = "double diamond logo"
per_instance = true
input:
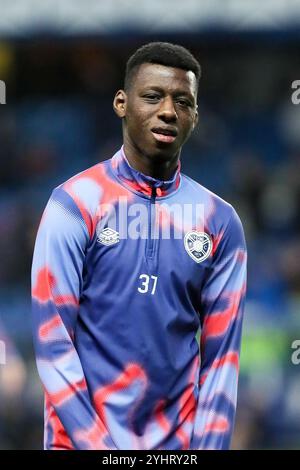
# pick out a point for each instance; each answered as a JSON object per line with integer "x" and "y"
{"x": 108, "y": 236}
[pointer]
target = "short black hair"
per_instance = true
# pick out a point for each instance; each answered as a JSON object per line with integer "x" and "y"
{"x": 162, "y": 53}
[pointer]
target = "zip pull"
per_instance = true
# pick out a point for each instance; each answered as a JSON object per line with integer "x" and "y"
{"x": 151, "y": 222}
{"x": 153, "y": 194}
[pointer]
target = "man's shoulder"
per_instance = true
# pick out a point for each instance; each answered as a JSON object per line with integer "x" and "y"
{"x": 84, "y": 189}
{"x": 85, "y": 185}
{"x": 90, "y": 176}
{"x": 206, "y": 196}
{"x": 220, "y": 215}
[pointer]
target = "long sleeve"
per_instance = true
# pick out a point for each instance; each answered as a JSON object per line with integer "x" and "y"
{"x": 222, "y": 299}
{"x": 57, "y": 268}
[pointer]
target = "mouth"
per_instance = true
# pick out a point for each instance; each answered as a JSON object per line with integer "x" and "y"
{"x": 164, "y": 134}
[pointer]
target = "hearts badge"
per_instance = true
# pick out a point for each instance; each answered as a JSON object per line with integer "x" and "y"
{"x": 198, "y": 245}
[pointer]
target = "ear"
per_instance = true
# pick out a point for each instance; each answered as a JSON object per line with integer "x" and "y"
{"x": 120, "y": 103}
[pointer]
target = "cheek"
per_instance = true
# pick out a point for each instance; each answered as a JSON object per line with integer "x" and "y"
{"x": 187, "y": 129}
{"x": 137, "y": 118}
{"x": 187, "y": 125}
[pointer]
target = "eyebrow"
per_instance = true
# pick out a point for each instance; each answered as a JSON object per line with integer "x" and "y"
{"x": 175, "y": 93}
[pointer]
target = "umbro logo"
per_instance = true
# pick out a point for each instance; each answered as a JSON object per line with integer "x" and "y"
{"x": 108, "y": 236}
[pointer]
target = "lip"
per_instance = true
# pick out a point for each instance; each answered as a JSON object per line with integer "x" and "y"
{"x": 164, "y": 134}
{"x": 164, "y": 138}
{"x": 165, "y": 130}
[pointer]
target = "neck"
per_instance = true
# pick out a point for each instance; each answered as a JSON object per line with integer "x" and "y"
{"x": 157, "y": 167}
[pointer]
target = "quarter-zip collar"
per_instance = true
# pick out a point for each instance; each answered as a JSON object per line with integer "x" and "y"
{"x": 139, "y": 182}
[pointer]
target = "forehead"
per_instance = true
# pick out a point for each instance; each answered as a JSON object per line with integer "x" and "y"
{"x": 168, "y": 78}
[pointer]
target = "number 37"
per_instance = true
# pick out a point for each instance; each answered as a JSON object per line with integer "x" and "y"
{"x": 146, "y": 283}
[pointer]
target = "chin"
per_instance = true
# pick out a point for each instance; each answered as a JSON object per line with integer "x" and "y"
{"x": 163, "y": 152}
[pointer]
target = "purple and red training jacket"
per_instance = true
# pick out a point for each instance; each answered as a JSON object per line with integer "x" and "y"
{"x": 123, "y": 280}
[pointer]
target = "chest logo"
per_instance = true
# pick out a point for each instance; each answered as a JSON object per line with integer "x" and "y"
{"x": 108, "y": 236}
{"x": 198, "y": 245}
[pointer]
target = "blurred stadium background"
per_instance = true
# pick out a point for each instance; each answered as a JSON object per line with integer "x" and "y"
{"x": 62, "y": 63}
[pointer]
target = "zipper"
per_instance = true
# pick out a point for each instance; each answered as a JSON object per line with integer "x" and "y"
{"x": 151, "y": 223}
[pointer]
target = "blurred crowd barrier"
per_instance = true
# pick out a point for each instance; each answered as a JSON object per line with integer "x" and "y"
{"x": 58, "y": 120}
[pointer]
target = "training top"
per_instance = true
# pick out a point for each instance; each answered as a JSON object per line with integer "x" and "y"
{"x": 138, "y": 291}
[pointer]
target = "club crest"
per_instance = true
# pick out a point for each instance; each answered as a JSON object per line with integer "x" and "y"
{"x": 198, "y": 245}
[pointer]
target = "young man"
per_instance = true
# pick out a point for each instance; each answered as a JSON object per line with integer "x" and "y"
{"x": 126, "y": 271}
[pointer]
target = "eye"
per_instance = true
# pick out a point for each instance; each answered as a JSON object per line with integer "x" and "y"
{"x": 183, "y": 102}
{"x": 152, "y": 96}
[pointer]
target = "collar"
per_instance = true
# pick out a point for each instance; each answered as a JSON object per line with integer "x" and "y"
{"x": 140, "y": 182}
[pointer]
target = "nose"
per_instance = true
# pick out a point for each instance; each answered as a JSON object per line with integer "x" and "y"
{"x": 167, "y": 111}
